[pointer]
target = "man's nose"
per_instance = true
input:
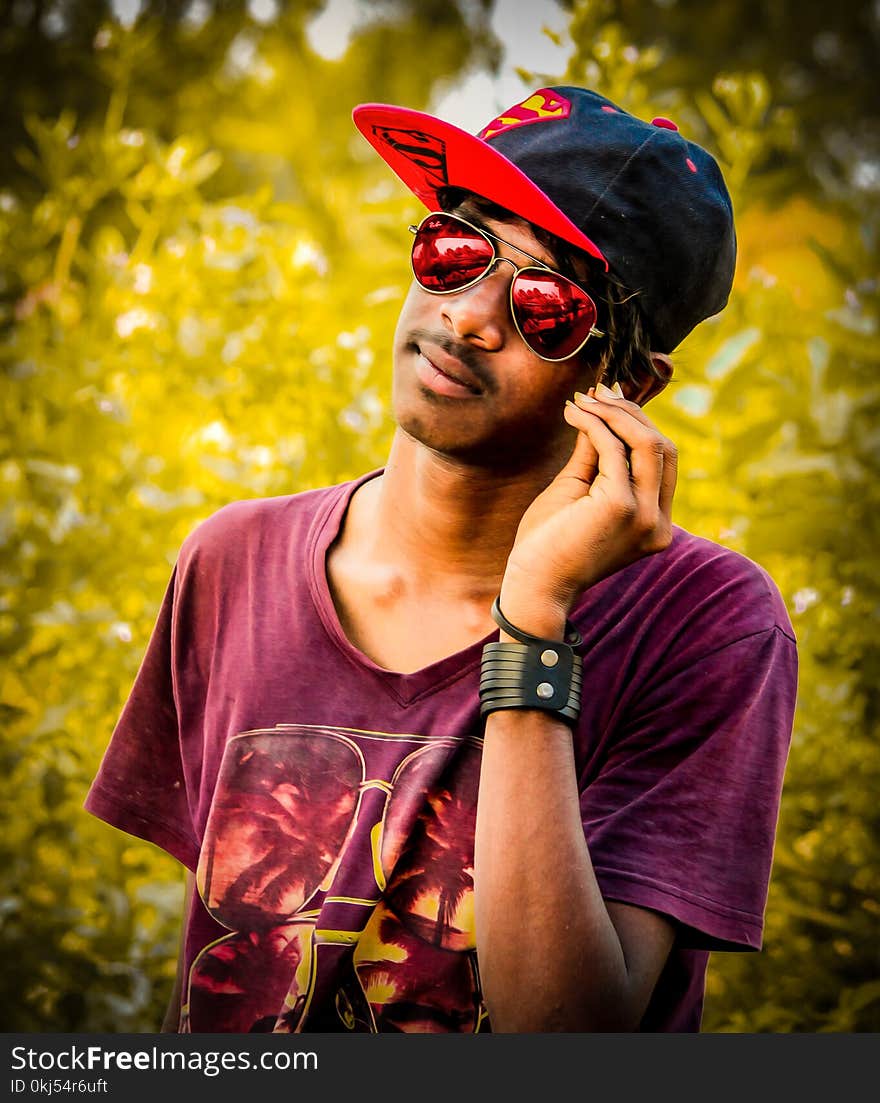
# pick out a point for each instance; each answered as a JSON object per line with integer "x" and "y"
{"x": 480, "y": 313}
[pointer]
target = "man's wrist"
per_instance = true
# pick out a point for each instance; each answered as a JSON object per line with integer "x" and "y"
{"x": 533, "y": 665}
{"x": 533, "y": 613}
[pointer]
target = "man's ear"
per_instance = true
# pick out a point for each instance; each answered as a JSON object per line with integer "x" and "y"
{"x": 646, "y": 387}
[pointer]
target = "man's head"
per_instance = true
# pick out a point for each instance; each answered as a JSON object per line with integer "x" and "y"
{"x": 632, "y": 200}
{"x": 619, "y": 351}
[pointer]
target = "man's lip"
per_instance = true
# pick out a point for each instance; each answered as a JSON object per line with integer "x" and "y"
{"x": 450, "y": 367}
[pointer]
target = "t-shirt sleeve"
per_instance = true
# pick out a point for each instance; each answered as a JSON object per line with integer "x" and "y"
{"x": 141, "y": 786}
{"x": 681, "y": 818}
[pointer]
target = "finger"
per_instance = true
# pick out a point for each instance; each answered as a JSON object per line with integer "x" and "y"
{"x": 670, "y": 477}
{"x": 610, "y": 449}
{"x": 609, "y": 399}
{"x": 616, "y": 396}
{"x": 647, "y": 447}
{"x": 670, "y": 452}
{"x": 583, "y": 463}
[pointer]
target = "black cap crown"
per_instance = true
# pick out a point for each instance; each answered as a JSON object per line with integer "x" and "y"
{"x": 636, "y": 195}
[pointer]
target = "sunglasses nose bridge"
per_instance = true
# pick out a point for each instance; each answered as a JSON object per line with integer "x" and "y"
{"x": 493, "y": 267}
{"x": 502, "y": 260}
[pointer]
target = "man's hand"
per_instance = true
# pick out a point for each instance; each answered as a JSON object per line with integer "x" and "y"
{"x": 609, "y": 506}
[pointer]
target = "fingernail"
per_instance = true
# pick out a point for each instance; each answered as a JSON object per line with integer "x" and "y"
{"x": 604, "y": 391}
{"x": 579, "y": 396}
{"x": 618, "y": 390}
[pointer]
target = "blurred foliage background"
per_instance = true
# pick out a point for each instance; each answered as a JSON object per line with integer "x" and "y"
{"x": 202, "y": 263}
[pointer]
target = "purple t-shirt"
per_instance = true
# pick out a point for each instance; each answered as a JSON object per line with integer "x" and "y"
{"x": 328, "y": 805}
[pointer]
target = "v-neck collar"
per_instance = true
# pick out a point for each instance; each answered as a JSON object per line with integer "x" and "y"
{"x": 405, "y": 688}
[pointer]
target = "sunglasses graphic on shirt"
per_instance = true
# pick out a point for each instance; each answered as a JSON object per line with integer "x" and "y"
{"x": 553, "y": 315}
{"x": 341, "y": 862}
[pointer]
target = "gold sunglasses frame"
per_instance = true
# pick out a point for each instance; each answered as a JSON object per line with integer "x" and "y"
{"x": 497, "y": 259}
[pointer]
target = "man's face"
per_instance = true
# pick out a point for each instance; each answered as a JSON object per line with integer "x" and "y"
{"x": 506, "y": 410}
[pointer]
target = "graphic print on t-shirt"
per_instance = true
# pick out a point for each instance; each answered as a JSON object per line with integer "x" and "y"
{"x": 341, "y": 861}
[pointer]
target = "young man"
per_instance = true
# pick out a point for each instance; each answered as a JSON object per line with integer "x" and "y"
{"x": 481, "y": 738}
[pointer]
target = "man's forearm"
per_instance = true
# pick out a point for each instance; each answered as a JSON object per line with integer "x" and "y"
{"x": 550, "y": 958}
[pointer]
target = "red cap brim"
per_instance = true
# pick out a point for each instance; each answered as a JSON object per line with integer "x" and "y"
{"x": 427, "y": 153}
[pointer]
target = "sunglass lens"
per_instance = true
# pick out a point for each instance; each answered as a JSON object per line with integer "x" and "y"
{"x": 447, "y": 254}
{"x": 553, "y": 314}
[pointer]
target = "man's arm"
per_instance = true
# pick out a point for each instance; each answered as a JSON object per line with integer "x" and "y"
{"x": 171, "y": 1022}
{"x": 554, "y": 956}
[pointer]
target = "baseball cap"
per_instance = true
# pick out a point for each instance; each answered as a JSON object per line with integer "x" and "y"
{"x": 650, "y": 205}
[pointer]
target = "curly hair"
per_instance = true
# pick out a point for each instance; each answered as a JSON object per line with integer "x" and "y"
{"x": 623, "y": 354}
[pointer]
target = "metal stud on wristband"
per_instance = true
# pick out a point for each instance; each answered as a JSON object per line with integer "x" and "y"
{"x": 532, "y": 674}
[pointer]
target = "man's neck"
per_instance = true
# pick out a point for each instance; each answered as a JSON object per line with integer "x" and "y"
{"x": 441, "y": 523}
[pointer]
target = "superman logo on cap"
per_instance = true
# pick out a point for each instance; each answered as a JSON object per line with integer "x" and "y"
{"x": 541, "y": 105}
{"x": 424, "y": 150}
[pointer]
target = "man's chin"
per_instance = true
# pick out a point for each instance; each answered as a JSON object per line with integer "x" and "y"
{"x": 448, "y": 443}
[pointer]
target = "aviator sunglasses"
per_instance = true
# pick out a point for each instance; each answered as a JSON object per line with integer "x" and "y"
{"x": 552, "y": 314}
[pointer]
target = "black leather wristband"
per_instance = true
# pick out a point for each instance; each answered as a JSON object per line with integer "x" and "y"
{"x": 534, "y": 673}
